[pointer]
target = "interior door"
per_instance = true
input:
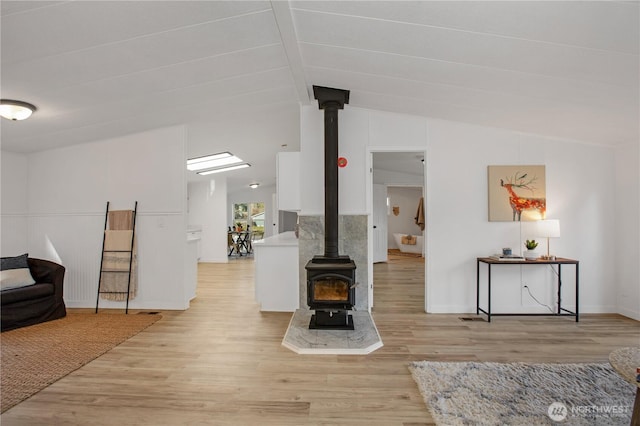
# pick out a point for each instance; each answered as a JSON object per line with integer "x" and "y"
{"x": 379, "y": 215}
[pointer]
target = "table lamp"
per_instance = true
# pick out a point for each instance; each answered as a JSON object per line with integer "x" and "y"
{"x": 549, "y": 228}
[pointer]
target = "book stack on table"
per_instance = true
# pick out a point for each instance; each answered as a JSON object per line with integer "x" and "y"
{"x": 506, "y": 257}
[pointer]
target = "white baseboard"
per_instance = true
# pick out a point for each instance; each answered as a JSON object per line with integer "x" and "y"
{"x": 105, "y": 304}
{"x": 629, "y": 313}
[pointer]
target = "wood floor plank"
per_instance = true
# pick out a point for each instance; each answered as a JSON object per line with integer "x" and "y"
{"x": 221, "y": 362}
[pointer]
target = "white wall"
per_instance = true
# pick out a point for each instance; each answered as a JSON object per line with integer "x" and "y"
{"x": 13, "y": 233}
{"x": 406, "y": 199}
{"x": 386, "y": 177}
{"x": 208, "y": 210}
{"x": 627, "y": 252}
{"x": 580, "y": 178}
{"x": 67, "y": 193}
{"x": 352, "y": 144}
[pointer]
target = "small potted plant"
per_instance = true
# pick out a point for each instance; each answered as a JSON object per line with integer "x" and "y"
{"x": 530, "y": 253}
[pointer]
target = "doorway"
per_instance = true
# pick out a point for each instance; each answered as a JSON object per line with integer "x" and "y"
{"x": 246, "y": 227}
{"x": 397, "y": 184}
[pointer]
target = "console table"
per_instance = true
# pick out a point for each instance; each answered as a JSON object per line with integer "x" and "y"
{"x": 490, "y": 262}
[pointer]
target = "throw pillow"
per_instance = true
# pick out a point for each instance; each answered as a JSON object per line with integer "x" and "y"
{"x": 14, "y": 272}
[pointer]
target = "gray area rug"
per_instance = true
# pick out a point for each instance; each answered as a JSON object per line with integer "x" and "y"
{"x": 477, "y": 393}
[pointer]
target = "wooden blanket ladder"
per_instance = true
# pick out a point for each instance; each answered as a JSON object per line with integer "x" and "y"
{"x": 125, "y": 253}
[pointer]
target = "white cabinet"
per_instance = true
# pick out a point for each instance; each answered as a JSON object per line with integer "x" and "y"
{"x": 276, "y": 273}
{"x": 190, "y": 271}
{"x": 288, "y": 180}
{"x": 195, "y": 234}
{"x": 191, "y": 257}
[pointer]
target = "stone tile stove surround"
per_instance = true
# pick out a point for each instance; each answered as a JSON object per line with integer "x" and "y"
{"x": 353, "y": 231}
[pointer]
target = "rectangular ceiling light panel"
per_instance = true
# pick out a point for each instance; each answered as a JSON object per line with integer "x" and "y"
{"x": 224, "y": 169}
{"x": 209, "y": 157}
{"x": 210, "y": 163}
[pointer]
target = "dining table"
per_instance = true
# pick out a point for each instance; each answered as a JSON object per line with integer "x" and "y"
{"x": 241, "y": 242}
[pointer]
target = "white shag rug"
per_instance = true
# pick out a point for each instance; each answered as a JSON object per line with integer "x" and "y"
{"x": 486, "y": 393}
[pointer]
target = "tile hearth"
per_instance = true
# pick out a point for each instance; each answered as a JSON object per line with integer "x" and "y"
{"x": 361, "y": 341}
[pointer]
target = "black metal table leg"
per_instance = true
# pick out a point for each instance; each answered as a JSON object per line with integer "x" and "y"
{"x": 559, "y": 288}
{"x": 477, "y": 287}
{"x": 489, "y": 292}
{"x": 577, "y": 291}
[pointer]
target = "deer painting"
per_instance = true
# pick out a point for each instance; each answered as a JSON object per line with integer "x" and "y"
{"x": 520, "y": 203}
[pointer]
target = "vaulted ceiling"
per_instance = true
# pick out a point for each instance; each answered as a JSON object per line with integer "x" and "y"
{"x": 102, "y": 69}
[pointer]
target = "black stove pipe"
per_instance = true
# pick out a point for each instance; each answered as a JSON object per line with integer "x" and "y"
{"x": 330, "y": 100}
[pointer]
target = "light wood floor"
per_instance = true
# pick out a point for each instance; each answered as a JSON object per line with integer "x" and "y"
{"x": 221, "y": 362}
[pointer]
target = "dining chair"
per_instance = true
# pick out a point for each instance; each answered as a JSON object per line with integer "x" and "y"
{"x": 232, "y": 244}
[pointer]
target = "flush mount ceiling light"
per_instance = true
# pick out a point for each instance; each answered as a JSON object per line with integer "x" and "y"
{"x": 254, "y": 185}
{"x": 224, "y": 169}
{"x": 15, "y": 110}
{"x": 212, "y": 161}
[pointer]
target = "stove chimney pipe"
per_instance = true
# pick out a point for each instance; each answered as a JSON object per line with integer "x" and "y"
{"x": 330, "y": 100}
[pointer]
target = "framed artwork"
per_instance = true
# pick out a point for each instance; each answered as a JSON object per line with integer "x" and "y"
{"x": 516, "y": 193}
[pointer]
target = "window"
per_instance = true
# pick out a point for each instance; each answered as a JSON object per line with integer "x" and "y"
{"x": 249, "y": 214}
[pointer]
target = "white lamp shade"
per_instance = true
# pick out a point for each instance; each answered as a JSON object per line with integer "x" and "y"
{"x": 549, "y": 228}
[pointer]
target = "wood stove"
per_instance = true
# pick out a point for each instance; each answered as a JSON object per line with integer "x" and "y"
{"x": 331, "y": 292}
{"x": 331, "y": 277}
